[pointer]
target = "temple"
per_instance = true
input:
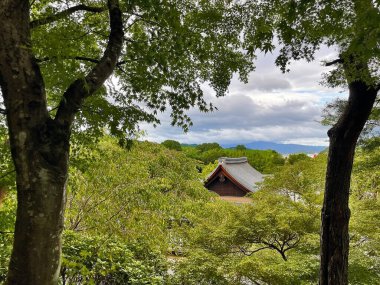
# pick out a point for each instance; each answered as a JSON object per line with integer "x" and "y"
{"x": 233, "y": 177}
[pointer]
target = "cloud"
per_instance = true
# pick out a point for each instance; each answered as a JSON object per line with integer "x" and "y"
{"x": 263, "y": 83}
{"x": 272, "y": 106}
{"x": 241, "y": 119}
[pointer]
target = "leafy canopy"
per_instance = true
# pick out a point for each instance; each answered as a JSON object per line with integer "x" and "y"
{"x": 300, "y": 28}
{"x": 170, "y": 49}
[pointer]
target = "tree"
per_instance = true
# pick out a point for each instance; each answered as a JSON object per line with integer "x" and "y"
{"x": 55, "y": 58}
{"x": 301, "y": 28}
{"x": 208, "y": 146}
{"x": 293, "y": 158}
{"x": 172, "y": 144}
{"x": 240, "y": 147}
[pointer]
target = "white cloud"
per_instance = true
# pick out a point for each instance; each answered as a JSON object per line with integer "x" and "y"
{"x": 272, "y": 106}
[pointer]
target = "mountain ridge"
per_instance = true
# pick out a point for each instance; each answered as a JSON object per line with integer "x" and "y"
{"x": 279, "y": 147}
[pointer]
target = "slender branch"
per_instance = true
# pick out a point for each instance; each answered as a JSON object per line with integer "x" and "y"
{"x": 64, "y": 14}
{"x": 7, "y": 173}
{"x": 148, "y": 21}
{"x": 3, "y": 111}
{"x": 1, "y": 232}
{"x": 249, "y": 252}
{"x": 339, "y": 60}
{"x": 83, "y": 58}
{"x": 82, "y": 88}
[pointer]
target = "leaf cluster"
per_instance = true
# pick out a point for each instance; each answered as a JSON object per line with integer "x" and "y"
{"x": 171, "y": 48}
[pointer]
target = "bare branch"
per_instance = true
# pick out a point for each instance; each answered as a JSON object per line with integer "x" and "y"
{"x": 82, "y": 88}
{"x": 339, "y": 60}
{"x": 64, "y": 14}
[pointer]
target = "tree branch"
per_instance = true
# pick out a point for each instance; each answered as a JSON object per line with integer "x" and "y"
{"x": 7, "y": 173}
{"x": 1, "y": 232}
{"x": 83, "y": 58}
{"x": 249, "y": 252}
{"x": 82, "y": 88}
{"x": 339, "y": 60}
{"x": 64, "y": 14}
{"x": 3, "y": 111}
{"x": 45, "y": 59}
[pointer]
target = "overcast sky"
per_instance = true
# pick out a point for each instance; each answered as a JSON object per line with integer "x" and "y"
{"x": 282, "y": 108}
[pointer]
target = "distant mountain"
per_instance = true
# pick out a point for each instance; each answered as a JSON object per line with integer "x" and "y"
{"x": 279, "y": 147}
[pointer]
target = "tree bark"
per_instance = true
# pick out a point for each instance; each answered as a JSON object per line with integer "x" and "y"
{"x": 336, "y": 213}
{"x": 40, "y": 144}
{"x": 40, "y": 154}
{"x": 40, "y": 194}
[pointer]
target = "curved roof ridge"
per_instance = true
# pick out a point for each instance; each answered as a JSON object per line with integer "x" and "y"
{"x": 233, "y": 160}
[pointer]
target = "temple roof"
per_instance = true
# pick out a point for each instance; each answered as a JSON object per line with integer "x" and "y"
{"x": 239, "y": 170}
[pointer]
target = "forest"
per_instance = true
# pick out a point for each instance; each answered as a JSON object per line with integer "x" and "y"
{"x": 142, "y": 216}
{"x": 84, "y": 200}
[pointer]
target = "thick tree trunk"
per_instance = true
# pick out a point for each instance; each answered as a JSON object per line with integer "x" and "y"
{"x": 335, "y": 212}
{"x": 39, "y": 223}
{"x": 40, "y": 144}
{"x": 39, "y": 149}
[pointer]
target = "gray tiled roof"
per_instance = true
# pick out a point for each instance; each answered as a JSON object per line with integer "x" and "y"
{"x": 241, "y": 171}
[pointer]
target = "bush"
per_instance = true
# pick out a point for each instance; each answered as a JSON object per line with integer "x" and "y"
{"x": 103, "y": 260}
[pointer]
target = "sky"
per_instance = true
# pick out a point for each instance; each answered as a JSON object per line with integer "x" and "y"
{"x": 272, "y": 106}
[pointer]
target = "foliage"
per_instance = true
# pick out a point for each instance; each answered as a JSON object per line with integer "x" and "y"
{"x": 232, "y": 245}
{"x": 148, "y": 220}
{"x": 105, "y": 260}
{"x": 265, "y": 161}
{"x": 133, "y": 193}
{"x": 172, "y": 144}
{"x": 170, "y": 49}
{"x": 369, "y": 135}
{"x": 364, "y": 226}
{"x": 293, "y": 158}
{"x": 240, "y": 147}
{"x": 302, "y": 27}
{"x": 207, "y": 146}
{"x": 7, "y": 221}
{"x": 7, "y": 175}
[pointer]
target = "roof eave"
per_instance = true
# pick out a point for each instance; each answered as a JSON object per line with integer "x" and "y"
{"x": 229, "y": 176}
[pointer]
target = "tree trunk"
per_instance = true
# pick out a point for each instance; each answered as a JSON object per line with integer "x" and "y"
{"x": 39, "y": 223}
{"x": 39, "y": 149}
{"x": 40, "y": 144}
{"x": 336, "y": 213}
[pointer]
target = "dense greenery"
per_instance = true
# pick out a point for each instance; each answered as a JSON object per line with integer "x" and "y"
{"x": 264, "y": 161}
{"x": 170, "y": 49}
{"x": 275, "y": 240}
{"x": 7, "y": 177}
{"x": 167, "y": 49}
{"x": 172, "y": 144}
{"x": 142, "y": 216}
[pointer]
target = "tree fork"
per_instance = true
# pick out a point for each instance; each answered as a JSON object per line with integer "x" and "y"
{"x": 335, "y": 213}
